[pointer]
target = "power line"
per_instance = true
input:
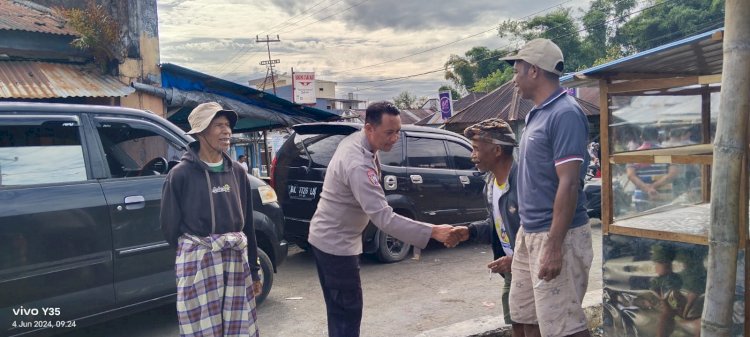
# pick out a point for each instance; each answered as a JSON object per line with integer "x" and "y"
{"x": 494, "y": 27}
{"x": 488, "y": 58}
{"x": 343, "y": 11}
{"x": 279, "y": 25}
{"x": 309, "y": 15}
{"x": 242, "y": 50}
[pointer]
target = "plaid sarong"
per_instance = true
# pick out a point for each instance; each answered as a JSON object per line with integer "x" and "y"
{"x": 214, "y": 286}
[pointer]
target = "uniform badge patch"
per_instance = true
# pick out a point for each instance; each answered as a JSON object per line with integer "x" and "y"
{"x": 373, "y": 177}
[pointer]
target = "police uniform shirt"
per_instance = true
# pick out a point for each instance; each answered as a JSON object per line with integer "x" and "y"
{"x": 351, "y": 196}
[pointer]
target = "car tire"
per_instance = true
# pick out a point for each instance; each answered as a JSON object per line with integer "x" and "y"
{"x": 266, "y": 275}
{"x": 391, "y": 249}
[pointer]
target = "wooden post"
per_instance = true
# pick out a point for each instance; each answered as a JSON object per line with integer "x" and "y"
{"x": 605, "y": 145}
{"x": 730, "y": 147}
{"x": 706, "y": 139}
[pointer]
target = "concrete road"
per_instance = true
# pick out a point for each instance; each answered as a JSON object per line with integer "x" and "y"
{"x": 444, "y": 287}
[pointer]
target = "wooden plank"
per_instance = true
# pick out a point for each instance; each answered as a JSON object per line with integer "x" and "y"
{"x": 604, "y": 145}
{"x": 619, "y": 76}
{"x": 706, "y": 183}
{"x": 686, "y": 91}
{"x": 643, "y": 159}
{"x": 658, "y": 235}
{"x": 743, "y": 202}
{"x": 709, "y": 79}
{"x": 677, "y": 159}
{"x": 706, "y": 114}
{"x": 652, "y": 84}
{"x": 672, "y": 151}
{"x": 703, "y": 159}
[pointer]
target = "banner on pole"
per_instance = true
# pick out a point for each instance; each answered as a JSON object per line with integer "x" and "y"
{"x": 304, "y": 87}
{"x": 446, "y": 104}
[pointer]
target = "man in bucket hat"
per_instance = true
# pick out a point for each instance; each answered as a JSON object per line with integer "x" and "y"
{"x": 492, "y": 143}
{"x": 206, "y": 203}
{"x": 553, "y": 252}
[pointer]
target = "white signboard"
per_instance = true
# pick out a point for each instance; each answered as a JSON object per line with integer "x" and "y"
{"x": 304, "y": 87}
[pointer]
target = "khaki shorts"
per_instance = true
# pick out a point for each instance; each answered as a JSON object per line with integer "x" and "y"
{"x": 554, "y": 305}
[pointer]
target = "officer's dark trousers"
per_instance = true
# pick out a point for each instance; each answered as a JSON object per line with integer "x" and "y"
{"x": 342, "y": 290}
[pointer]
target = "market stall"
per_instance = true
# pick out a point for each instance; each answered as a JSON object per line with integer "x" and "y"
{"x": 658, "y": 119}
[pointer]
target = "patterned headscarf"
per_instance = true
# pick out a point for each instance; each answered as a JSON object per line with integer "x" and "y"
{"x": 493, "y": 130}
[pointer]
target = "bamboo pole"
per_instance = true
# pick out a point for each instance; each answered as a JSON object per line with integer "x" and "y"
{"x": 730, "y": 147}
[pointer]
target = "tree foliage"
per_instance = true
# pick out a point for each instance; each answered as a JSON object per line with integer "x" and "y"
{"x": 672, "y": 20}
{"x": 98, "y": 32}
{"x": 494, "y": 80}
{"x": 454, "y": 93}
{"x": 559, "y": 26}
{"x": 407, "y": 100}
{"x": 478, "y": 63}
{"x": 607, "y": 30}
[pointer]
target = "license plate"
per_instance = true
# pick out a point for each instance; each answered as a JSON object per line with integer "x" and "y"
{"x": 302, "y": 192}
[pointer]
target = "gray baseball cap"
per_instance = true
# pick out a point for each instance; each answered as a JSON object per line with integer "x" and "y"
{"x": 542, "y": 53}
{"x": 204, "y": 113}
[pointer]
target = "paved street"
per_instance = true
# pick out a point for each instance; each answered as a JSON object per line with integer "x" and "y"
{"x": 445, "y": 287}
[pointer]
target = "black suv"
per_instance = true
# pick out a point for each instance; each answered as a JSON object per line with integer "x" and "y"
{"x": 80, "y": 192}
{"x": 427, "y": 176}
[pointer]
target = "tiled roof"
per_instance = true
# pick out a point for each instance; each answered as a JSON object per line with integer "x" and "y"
{"x": 19, "y": 79}
{"x": 26, "y": 16}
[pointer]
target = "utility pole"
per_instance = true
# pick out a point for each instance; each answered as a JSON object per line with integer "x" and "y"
{"x": 730, "y": 151}
{"x": 270, "y": 62}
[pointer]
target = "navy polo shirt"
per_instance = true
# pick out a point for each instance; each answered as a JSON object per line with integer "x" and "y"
{"x": 556, "y": 132}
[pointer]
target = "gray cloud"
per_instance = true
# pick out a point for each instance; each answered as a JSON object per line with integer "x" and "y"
{"x": 401, "y": 15}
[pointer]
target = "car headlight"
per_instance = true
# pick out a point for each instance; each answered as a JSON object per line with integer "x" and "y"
{"x": 267, "y": 194}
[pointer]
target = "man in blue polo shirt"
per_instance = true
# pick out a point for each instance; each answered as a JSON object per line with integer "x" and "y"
{"x": 553, "y": 251}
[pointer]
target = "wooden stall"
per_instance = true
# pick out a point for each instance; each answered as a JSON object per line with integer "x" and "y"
{"x": 658, "y": 119}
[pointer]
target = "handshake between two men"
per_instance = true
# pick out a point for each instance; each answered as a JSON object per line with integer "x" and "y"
{"x": 449, "y": 235}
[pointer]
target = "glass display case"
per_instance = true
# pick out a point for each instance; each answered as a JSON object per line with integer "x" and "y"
{"x": 658, "y": 114}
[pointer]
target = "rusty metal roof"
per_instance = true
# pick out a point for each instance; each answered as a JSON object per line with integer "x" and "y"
{"x": 21, "y": 79}
{"x": 25, "y": 16}
{"x": 504, "y": 102}
{"x": 467, "y": 100}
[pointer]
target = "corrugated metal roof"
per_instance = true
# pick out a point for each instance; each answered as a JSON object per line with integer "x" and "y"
{"x": 467, "y": 100}
{"x": 411, "y": 116}
{"x": 19, "y": 15}
{"x": 504, "y": 102}
{"x": 435, "y": 119}
{"x": 701, "y": 54}
{"x": 21, "y": 79}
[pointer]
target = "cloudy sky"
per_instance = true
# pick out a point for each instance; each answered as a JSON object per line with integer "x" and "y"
{"x": 356, "y": 43}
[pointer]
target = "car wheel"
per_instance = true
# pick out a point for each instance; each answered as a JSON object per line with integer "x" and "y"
{"x": 266, "y": 276}
{"x": 391, "y": 249}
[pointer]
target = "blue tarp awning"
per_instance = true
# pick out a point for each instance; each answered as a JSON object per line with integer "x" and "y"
{"x": 183, "y": 89}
